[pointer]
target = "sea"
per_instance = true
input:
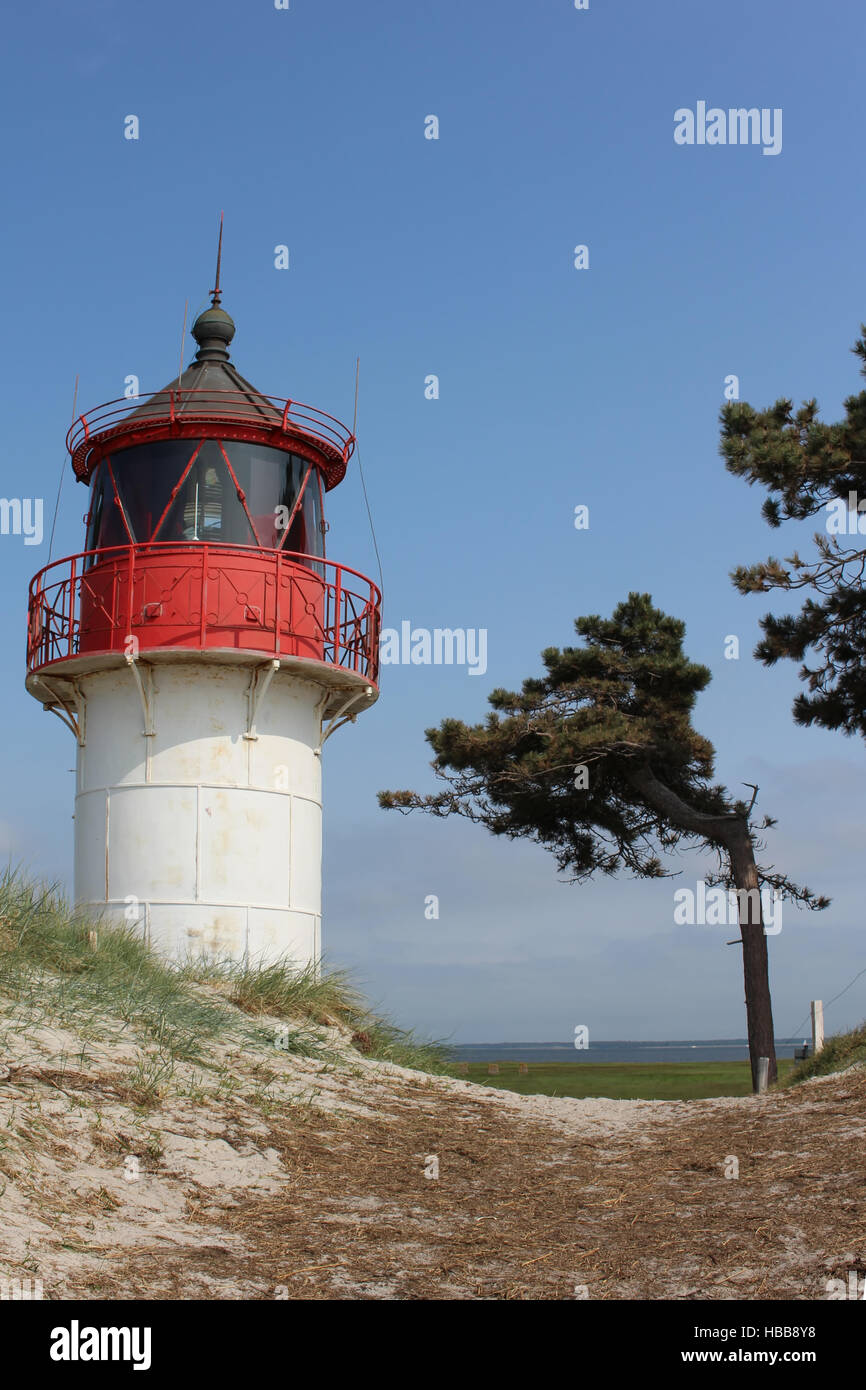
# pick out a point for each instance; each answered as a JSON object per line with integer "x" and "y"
{"x": 677, "y": 1050}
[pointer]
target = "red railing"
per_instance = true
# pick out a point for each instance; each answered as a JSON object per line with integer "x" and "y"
{"x": 180, "y": 410}
{"x": 170, "y": 595}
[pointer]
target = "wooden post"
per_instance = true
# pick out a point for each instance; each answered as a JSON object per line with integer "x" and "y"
{"x": 763, "y": 1074}
{"x": 817, "y": 1010}
{"x": 493, "y": 1069}
{"x": 523, "y": 1069}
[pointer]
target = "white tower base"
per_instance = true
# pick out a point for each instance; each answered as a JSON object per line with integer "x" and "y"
{"x": 198, "y": 812}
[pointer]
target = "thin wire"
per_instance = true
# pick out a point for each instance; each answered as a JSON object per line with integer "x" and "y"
{"x": 62, "y": 476}
{"x": 370, "y": 515}
{"x": 361, "y": 474}
{"x": 845, "y": 990}
{"x": 796, "y": 1032}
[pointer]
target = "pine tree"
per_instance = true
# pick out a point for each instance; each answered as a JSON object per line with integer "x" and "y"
{"x": 808, "y": 466}
{"x": 597, "y": 761}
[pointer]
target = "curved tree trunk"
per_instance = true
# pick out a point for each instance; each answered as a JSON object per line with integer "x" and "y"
{"x": 732, "y": 833}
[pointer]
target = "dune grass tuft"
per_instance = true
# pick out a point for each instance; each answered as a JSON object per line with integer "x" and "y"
{"x": 839, "y": 1051}
{"x": 326, "y": 997}
{"x": 284, "y": 991}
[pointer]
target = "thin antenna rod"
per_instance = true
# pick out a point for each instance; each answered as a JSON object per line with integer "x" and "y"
{"x": 216, "y": 291}
{"x": 182, "y": 339}
{"x": 62, "y": 476}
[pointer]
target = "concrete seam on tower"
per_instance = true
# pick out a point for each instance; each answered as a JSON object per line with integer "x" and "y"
{"x": 205, "y": 786}
{"x": 198, "y": 791}
{"x": 290, "y": 896}
{"x": 107, "y": 824}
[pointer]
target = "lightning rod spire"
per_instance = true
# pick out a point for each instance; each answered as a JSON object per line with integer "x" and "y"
{"x": 216, "y": 292}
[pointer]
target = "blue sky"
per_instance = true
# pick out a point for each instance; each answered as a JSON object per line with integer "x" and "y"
{"x": 558, "y": 387}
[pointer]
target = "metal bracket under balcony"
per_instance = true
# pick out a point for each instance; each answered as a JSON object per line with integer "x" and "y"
{"x": 69, "y": 706}
{"x": 260, "y": 679}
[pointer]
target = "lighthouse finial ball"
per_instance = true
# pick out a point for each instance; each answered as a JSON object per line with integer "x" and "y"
{"x": 213, "y": 330}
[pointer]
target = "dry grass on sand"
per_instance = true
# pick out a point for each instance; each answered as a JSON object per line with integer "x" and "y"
{"x": 274, "y": 1175}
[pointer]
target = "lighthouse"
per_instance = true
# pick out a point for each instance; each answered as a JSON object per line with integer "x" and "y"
{"x": 201, "y": 649}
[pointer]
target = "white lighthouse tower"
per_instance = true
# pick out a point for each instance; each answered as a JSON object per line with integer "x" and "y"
{"x": 201, "y": 649}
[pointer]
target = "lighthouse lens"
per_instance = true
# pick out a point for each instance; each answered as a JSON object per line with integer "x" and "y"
{"x": 207, "y": 507}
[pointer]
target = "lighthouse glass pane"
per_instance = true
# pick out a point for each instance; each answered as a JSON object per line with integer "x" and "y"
{"x": 105, "y": 526}
{"x": 145, "y": 477}
{"x": 207, "y": 507}
{"x": 271, "y": 481}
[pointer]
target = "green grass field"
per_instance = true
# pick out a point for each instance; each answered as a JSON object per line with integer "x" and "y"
{"x": 621, "y": 1080}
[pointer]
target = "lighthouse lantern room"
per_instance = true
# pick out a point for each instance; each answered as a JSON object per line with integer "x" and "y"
{"x": 201, "y": 648}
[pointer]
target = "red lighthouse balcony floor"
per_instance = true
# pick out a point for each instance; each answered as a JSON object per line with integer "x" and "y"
{"x": 168, "y": 597}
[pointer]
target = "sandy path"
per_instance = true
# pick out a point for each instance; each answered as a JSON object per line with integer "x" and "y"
{"x": 535, "y": 1198}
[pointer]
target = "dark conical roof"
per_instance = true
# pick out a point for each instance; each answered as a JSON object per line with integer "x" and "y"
{"x": 208, "y": 376}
